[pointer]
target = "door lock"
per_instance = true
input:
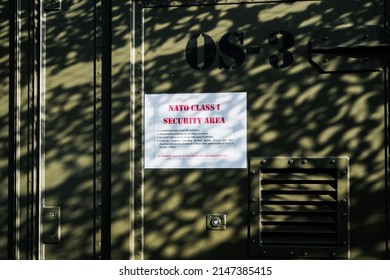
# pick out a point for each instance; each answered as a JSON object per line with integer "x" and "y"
{"x": 216, "y": 221}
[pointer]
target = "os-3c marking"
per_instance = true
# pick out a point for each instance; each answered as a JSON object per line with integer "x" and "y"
{"x": 231, "y": 45}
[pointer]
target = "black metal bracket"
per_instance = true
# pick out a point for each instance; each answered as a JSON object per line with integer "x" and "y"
{"x": 51, "y": 218}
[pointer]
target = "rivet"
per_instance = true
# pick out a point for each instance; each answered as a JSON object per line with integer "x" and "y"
{"x": 99, "y": 244}
{"x": 344, "y": 243}
{"x": 139, "y": 239}
{"x": 263, "y": 161}
{"x": 304, "y": 254}
{"x": 366, "y": 36}
{"x": 98, "y": 230}
{"x": 253, "y": 241}
{"x": 139, "y": 253}
{"x": 99, "y": 178}
{"x": 333, "y": 254}
{"x": 344, "y": 201}
{"x": 99, "y": 98}
{"x": 291, "y": 253}
{"x": 53, "y": 235}
{"x": 344, "y": 215}
{"x": 253, "y": 199}
{"x": 325, "y": 38}
{"x": 264, "y": 252}
{"x": 325, "y": 60}
{"x": 209, "y": 217}
{"x": 253, "y": 172}
{"x": 253, "y": 213}
{"x": 290, "y": 161}
{"x": 138, "y": 213}
{"x": 345, "y": 172}
{"x": 332, "y": 161}
{"x": 53, "y": 214}
{"x": 304, "y": 161}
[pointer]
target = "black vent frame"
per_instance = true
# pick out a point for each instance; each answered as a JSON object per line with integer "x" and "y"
{"x": 299, "y": 207}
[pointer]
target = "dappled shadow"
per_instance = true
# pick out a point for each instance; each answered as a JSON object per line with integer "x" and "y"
{"x": 4, "y": 122}
{"x": 292, "y": 111}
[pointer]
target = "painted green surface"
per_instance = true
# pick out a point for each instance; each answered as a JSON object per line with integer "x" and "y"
{"x": 69, "y": 128}
{"x": 293, "y": 111}
{"x": 4, "y": 122}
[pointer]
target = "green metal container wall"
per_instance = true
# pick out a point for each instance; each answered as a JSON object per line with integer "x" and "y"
{"x": 74, "y": 185}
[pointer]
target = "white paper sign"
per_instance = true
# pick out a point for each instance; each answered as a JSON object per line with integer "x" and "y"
{"x": 197, "y": 130}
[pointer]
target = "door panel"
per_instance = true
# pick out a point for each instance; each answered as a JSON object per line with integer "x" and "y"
{"x": 69, "y": 129}
{"x": 294, "y": 110}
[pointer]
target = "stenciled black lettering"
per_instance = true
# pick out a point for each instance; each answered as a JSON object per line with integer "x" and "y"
{"x": 231, "y": 50}
{"x": 209, "y": 51}
{"x": 287, "y": 41}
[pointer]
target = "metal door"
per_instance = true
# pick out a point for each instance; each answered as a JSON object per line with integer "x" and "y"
{"x": 73, "y": 148}
{"x": 316, "y": 95}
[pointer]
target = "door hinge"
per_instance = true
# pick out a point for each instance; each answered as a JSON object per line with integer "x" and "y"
{"x": 51, "y": 219}
{"x": 350, "y": 49}
{"x": 52, "y": 5}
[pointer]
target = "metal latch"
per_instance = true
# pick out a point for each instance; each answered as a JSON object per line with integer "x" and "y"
{"x": 350, "y": 49}
{"x": 51, "y": 218}
{"x": 216, "y": 221}
{"x": 52, "y": 5}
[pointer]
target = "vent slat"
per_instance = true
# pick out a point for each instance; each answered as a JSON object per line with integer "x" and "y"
{"x": 298, "y": 223}
{"x": 296, "y": 202}
{"x": 301, "y": 244}
{"x": 298, "y": 212}
{"x": 297, "y": 232}
{"x": 292, "y": 181}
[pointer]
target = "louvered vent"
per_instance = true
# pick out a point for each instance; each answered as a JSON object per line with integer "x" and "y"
{"x": 300, "y": 207}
